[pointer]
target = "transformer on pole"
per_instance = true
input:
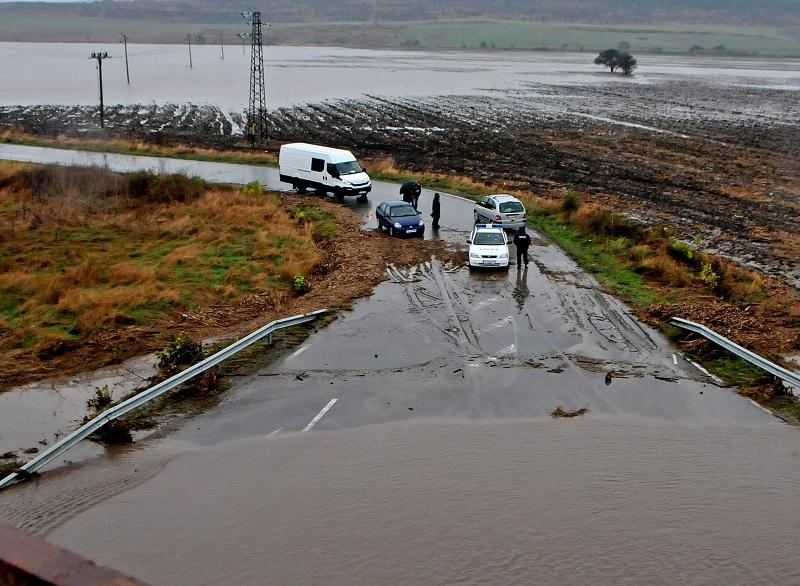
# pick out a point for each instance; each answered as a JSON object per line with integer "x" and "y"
{"x": 256, "y": 109}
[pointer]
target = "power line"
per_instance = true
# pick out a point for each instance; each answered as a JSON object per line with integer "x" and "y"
{"x": 127, "y": 71}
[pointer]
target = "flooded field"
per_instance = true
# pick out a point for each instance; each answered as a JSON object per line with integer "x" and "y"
{"x": 61, "y": 73}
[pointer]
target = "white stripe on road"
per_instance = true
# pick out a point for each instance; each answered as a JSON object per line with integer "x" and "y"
{"x": 674, "y": 359}
{"x": 296, "y": 353}
{"x": 325, "y": 409}
{"x": 275, "y": 432}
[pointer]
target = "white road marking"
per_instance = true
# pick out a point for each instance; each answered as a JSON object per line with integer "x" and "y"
{"x": 319, "y": 415}
{"x": 714, "y": 377}
{"x": 674, "y": 359}
{"x": 764, "y": 409}
{"x": 296, "y": 353}
{"x": 275, "y": 432}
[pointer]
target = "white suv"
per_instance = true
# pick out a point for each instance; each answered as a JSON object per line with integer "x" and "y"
{"x": 502, "y": 210}
{"x": 488, "y": 247}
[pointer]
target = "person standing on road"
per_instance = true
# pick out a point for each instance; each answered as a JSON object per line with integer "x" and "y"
{"x": 522, "y": 241}
{"x": 416, "y": 193}
{"x": 435, "y": 210}
{"x": 408, "y": 191}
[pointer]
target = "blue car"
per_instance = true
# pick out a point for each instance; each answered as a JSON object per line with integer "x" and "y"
{"x": 399, "y": 218}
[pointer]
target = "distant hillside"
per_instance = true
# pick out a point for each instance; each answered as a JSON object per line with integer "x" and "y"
{"x": 720, "y": 27}
{"x": 735, "y": 12}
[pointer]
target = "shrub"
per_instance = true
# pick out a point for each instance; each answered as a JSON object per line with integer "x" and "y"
{"x": 180, "y": 352}
{"x": 100, "y": 400}
{"x": 253, "y": 188}
{"x": 664, "y": 269}
{"x": 681, "y": 251}
{"x": 708, "y": 276}
{"x": 571, "y": 203}
{"x": 638, "y": 253}
{"x": 300, "y": 285}
{"x": 164, "y": 188}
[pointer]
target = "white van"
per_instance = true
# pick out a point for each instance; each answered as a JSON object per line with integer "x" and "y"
{"x": 323, "y": 169}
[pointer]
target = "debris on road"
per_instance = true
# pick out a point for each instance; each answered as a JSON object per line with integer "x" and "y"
{"x": 561, "y": 412}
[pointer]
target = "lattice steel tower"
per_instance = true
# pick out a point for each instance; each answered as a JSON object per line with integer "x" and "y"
{"x": 256, "y": 110}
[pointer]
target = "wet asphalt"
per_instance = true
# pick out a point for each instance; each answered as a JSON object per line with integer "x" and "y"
{"x": 441, "y": 341}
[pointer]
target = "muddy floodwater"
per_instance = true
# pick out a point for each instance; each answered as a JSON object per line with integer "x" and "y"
{"x": 61, "y": 73}
{"x": 601, "y": 500}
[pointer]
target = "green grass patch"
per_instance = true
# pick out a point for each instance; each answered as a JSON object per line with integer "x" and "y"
{"x": 597, "y": 258}
{"x": 324, "y": 224}
{"x": 641, "y": 38}
{"x": 785, "y": 405}
{"x": 732, "y": 369}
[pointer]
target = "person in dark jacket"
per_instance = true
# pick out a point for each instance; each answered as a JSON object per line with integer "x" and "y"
{"x": 522, "y": 241}
{"x": 410, "y": 191}
{"x": 435, "y": 211}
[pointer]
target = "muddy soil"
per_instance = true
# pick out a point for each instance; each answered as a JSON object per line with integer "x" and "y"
{"x": 353, "y": 262}
{"x": 713, "y": 160}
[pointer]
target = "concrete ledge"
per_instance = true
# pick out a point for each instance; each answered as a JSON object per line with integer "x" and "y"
{"x": 30, "y": 561}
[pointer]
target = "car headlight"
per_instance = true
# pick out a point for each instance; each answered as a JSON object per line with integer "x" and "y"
{"x": 397, "y": 225}
{"x": 474, "y": 255}
{"x": 421, "y": 223}
{"x": 504, "y": 255}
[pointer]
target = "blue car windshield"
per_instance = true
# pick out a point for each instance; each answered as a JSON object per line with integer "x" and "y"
{"x": 488, "y": 238}
{"x": 348, "y": 168}
{"x": 402, "y": 211}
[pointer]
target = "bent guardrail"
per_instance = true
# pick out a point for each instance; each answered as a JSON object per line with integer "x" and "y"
{"x": 790, "y": 377}
{"x": 116, "y": 411}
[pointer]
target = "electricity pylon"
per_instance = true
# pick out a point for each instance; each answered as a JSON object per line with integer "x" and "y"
{"x": 256, "y": 109}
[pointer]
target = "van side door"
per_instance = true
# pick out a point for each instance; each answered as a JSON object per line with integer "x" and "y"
{"x": 318, "y": 166}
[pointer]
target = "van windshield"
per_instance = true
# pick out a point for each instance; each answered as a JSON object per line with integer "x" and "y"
{"x": 348, "y": 168}
{"x": 511, "y": 207}
{"x": 402, "y": 211}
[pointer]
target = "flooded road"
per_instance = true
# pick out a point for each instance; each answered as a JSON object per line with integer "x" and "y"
{"x": 410, "y": 441}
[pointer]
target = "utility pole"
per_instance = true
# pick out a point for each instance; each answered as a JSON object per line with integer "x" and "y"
{"x": 127, "y": 71}
{"x": 221, "y": 47}
{"x": 100, "y": 57}
{"x": 189, "y": 39}
{"x": 256, "y": 110}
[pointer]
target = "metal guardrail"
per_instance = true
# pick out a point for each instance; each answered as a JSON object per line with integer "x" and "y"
{"x": 116, "y": 411}
{"x": 790, "y": 377}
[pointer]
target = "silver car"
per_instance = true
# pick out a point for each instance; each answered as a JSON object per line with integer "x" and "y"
{"x": 502, "y": 209}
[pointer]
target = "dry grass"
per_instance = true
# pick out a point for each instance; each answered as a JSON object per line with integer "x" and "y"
{"x": 136, "y": 147}
{"x": 385, "y": 169}
{"x": 84, "y": 250}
